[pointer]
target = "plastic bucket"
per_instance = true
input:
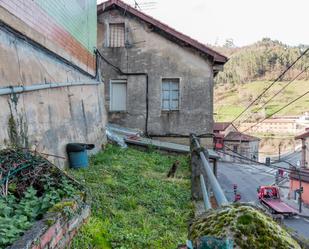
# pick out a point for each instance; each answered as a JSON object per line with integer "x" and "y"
{"x": 77, "y": 153}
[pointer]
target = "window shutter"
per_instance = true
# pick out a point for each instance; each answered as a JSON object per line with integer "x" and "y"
{"x": 118, "y": 96}
{"x": 116, "y": 35}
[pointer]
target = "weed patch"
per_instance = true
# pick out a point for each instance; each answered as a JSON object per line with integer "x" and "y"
{"x": 134, "y": 205}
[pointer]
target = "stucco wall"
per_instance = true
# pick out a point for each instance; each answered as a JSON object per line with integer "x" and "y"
{"x": 46, "y": 120}
{"x": 294, "y": 185}
{"x": 246, "y": 149}
{"x": 151, "y": 53}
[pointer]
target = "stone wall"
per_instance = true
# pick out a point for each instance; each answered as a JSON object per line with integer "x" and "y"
{"x": 149, "y": 52}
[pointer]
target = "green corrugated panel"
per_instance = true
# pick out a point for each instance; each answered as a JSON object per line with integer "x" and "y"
{"x": 78, "y": 17}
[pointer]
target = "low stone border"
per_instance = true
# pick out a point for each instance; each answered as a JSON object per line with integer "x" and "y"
{"x": 44, "y": 235}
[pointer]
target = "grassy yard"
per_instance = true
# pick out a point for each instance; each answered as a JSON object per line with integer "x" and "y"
{"x": 134, "y": 204}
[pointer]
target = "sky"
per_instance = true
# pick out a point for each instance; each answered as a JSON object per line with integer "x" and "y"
{"x": 244, "y": 21}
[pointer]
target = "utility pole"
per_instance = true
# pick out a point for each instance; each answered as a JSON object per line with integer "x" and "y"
{"x": 300, "y": 191}
{"x": 280, "y": 150}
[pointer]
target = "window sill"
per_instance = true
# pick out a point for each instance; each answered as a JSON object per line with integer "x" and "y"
{"x": 120, "y": 112}
{"x": 169, "y": 111}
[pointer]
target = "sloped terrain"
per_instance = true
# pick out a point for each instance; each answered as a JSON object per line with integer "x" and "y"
{"x": 134, "y": 204}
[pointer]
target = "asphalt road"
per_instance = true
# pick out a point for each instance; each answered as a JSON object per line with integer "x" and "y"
{"x": 299, "y": 225}
{"x": 248, "y": 178}
{"x": 292, "y": 158}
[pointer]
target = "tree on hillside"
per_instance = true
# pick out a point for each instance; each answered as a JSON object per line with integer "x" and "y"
{"x": 264, "y": 60}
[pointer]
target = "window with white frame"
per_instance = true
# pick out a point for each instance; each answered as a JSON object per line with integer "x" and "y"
{"x": 118, "y": 95}
{"x": 116, "y": 35}
{"x": 170, "y": 94}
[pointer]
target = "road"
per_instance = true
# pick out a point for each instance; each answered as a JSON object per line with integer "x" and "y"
{"x": 244, "y": 176}
{"x": 299, "y": 225}
{"x": 248, "y": 178}
{"x": 292, "y": 158}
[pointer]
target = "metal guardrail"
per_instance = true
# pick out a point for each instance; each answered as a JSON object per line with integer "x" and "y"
{"x": 214, "y": 184}
{"x": 206, "y": 200}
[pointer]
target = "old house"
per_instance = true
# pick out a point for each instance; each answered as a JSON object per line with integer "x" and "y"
{"x": 157, "y": 79}
{"x": 50, "y": 92}
{"x": 234, "y": 144}
{"x": 240, "y": 144}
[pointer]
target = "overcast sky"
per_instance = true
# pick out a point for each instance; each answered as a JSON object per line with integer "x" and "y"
{"x": 245, "y": 21}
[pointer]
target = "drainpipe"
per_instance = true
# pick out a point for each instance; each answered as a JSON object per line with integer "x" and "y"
{"x": 42, "y": 86}
{"x": 118, "y": 70}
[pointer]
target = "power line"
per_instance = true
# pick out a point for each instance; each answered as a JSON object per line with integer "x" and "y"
{"x": 263, "y": 164}
{"x": 276, "y": 94}
{"x": 276, "y": 111}
{"x": 136, "y": 5}
{"x": 267, "y": 88}
{"x": 259, "y": 163}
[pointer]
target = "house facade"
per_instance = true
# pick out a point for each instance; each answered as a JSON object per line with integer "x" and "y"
{"x": 295, "y": 184}
{"x": 157, "y": 79}
{"x": 302, "y": 172}
{"x": 243, "y": 145}
{"x": 304, "y": 148}
{"x": 279, "y": 125}
{"x": 50, "y": 92}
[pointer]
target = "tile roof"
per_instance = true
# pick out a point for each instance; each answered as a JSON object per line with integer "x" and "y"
{"x": 221, "y": 126}
{"x": 304, "y": 135}
{"x": 238, "y": 136}
{"x": 218, "y": 58}
{"x": 304, "y": 174}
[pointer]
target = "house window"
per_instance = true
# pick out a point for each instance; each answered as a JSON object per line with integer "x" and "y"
{"x": 118, "y": 95}
{"x": 235, "y": 148}
{"x": 170, "y": 94}
{"x": 116, "y": 35}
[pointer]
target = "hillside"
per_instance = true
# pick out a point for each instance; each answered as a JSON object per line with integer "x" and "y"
{"x": 230, "y": 100}
{"x": 250, "y": 70}
{"x": 263, "y": 60}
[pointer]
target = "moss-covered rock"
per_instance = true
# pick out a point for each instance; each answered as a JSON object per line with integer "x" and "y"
{"x": 246, "y": 225}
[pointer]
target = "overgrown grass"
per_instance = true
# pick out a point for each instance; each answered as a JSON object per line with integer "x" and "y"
{"x": 134, "y": 205}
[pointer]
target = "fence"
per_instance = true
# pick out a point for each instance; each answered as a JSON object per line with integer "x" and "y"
{"x": 203, "y": 178}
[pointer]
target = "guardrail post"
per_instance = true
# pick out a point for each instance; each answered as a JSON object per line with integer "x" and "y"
{"x": 215, "y": 167}
{"x": 196, "y": 171}
{"x": 201, "y": 155}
